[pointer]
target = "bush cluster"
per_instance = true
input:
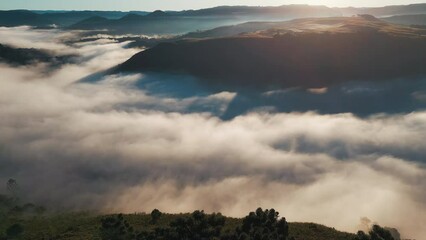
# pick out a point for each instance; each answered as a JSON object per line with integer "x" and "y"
{"x": 258, "y": 225}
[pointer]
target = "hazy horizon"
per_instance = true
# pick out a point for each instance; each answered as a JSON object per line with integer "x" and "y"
{"x": 139, "y": 5}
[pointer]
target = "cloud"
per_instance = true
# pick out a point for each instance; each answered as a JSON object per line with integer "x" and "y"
{"x": 112, "y": 146}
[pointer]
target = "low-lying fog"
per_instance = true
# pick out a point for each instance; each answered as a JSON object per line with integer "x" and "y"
{"x": 137, "y": 142}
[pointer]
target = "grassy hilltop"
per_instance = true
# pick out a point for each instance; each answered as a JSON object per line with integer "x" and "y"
{"x": 28, "y": 221}
{"x": 72, "y": 226}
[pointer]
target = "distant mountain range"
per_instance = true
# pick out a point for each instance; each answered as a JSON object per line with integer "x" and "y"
{"x": 179, "y": 22}
{"x": 60, "y": 18}
{"x": 72, "y": 17}
{"x": 22, "y": 17}
{"x": 186, "y": 21}
{"x": 309, "y": 53}
{"x": 160, "y": 22}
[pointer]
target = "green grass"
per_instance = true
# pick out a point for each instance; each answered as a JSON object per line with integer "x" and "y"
{"x": 76, "y": 226}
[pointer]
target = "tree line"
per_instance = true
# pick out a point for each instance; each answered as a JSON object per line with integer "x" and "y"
{"x": 258, "y": 225}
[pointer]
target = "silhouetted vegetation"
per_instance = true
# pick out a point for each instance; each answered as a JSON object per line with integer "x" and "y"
{"x": 261, "y": 225}
{"x": 258, "y": 225}
{"x": 84, "y": 225}
{"x": 378, "y": 233}
{"x": 195, "y": 226}
{"x": 155, "y": 216}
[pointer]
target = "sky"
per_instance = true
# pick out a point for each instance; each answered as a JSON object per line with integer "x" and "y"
{"x": 149, "y": 5}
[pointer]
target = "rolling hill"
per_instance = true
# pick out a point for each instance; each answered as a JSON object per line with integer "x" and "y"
{"x": 303, "y": 53}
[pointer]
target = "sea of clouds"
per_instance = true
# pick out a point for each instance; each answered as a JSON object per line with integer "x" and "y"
{"x": 108, "y": 145}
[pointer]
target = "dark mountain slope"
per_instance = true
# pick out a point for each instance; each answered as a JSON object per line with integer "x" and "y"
{"x": 357, "y": 48}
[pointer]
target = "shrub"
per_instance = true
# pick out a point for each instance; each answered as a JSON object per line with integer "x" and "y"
{"x": 14, "y": 231}
{"x": 116, "y": 228}
{"x": 155, "y": 216}
{"x": 261, "y": 225}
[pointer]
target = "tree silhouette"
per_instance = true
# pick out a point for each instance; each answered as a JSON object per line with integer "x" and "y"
{"x": 263, "y": 225}
{"x": 362, "y": 236}
{"x": 155, "y": 216}
{"x": 379, "y": 233}
{"x": 197, "y": 226}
